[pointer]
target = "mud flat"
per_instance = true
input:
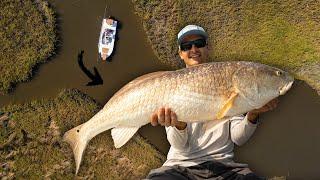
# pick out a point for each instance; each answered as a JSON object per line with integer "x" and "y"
{"x": 31, "y": 145}
{"x": 27, "y": 39}
{"x": 284, "y": 34}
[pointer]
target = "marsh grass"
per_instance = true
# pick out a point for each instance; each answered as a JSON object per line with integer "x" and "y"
{"x": 32, "y": 147}
{"x": 284, "y": 34}
{"x": 27, "y": 38}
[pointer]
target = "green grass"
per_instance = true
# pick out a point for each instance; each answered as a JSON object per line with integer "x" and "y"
{"x": 284, "y": 34}
{"x": 27, "y": 38}
{"x": 36, "y": 149}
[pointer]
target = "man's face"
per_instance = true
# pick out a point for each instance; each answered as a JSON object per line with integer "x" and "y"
{"x": 195, "y": 55}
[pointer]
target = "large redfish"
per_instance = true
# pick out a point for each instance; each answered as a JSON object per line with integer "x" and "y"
{"x": 205, "y": 92}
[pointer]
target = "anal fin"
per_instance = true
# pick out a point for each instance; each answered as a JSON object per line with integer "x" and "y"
{"x": 121, "y": 135}
{"x": 226, "y": 107}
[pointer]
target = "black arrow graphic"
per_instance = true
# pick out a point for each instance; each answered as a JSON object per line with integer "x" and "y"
{"x": 95, "y": 78}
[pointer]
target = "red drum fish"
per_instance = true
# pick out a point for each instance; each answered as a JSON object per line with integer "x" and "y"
{"x": 205, "y": 92}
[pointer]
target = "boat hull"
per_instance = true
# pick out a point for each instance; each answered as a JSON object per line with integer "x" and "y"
{"x": 107, "y": 38}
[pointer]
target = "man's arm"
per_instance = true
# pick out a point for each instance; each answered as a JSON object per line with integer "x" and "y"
{"x": 176, "y": 130}
{"x": 242, "y": 130}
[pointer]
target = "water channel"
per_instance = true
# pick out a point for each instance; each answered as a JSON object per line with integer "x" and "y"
{"x": 285, "y": 144}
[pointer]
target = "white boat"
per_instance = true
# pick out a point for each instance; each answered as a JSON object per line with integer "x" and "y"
{"x": 107, "y": 37}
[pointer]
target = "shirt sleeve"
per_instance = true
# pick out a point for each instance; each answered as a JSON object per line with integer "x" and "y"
{"x": 241, "y": 129}
{"x": 177, "y": 138}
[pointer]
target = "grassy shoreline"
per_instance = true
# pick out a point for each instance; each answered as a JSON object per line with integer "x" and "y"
{"x": 28, "y": 39}
{"x": 31, "y": 145}
{"x": 283, "y": 34}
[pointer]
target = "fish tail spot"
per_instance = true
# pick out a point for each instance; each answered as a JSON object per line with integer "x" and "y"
{"x": 77, "y": 143}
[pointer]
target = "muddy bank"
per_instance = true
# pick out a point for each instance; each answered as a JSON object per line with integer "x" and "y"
{"x": 27, "y": 39}
{"x": 32, "y": 148}
{"x": 278, "y": 33}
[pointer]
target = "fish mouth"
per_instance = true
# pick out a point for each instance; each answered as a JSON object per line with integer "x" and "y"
{"x": 285, "y": 88}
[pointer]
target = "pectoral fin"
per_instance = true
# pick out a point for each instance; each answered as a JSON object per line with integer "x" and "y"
{"x": 226, "y": 107}
{"x": 121, "y": 135}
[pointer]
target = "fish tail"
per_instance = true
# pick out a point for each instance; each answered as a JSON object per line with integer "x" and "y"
{"x": 77, "y": 144}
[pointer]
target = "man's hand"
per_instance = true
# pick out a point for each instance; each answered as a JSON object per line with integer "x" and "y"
{"x": 252, "y": 115}
{"x": 166, "y": 117}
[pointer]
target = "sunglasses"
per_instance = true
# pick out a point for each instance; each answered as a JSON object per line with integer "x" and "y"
{"x": 199, "y": 43}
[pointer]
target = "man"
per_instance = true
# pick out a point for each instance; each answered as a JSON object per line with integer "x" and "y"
{"x": 197, "y": 152}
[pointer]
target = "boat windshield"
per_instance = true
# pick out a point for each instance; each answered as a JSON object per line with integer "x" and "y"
{"x": 109, "y": 32}
{"x": 107, "y": 36}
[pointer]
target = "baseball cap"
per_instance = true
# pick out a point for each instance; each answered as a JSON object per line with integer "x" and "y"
{"x": 189, "y": 30}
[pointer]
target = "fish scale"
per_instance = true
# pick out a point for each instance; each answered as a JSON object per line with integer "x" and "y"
{"x": 206, "y": 92}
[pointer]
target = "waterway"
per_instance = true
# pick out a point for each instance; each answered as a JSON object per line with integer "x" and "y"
{"x": 286, "y": 142}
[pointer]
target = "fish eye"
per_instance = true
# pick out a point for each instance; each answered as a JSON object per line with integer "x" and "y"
{"x": 278, "y": 73}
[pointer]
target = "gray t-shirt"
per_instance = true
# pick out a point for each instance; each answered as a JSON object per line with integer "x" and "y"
{"x": 201, "y": 141}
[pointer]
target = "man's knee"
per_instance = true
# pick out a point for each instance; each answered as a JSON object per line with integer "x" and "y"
{"x": 246, "y": 174}
{"x": 166, "y": 173}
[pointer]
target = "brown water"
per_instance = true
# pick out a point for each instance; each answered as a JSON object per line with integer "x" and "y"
{"x": 287, "y": 142}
